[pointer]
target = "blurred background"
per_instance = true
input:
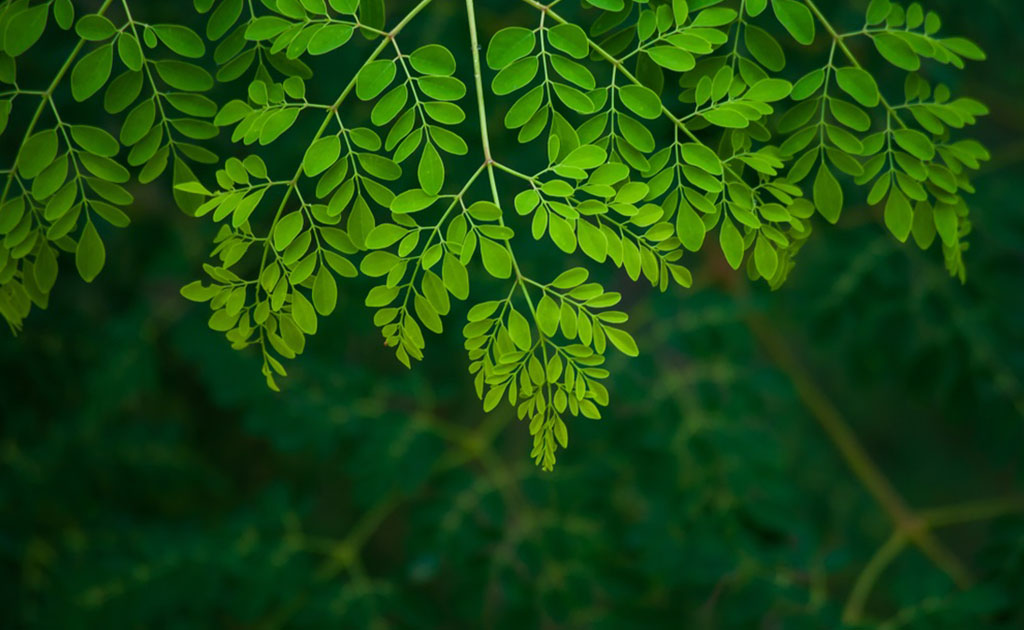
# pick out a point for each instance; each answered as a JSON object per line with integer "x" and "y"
{"x": 148, "y": 479}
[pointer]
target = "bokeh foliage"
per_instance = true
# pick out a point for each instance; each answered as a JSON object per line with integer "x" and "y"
{"x": 150, "y": 480}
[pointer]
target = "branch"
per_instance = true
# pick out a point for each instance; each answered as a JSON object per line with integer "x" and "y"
{"x": 906, "y": 521}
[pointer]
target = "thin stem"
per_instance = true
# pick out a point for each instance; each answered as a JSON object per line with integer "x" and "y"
{"x": 869, "y": 576}
{"x": 972, "y": 511}
{"x": 474, "y": 40}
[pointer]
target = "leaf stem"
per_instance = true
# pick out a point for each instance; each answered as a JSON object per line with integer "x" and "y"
{"x": 972, "y": 511}
{"x": 474, "y": 40}
{"x": 885, "y": 555}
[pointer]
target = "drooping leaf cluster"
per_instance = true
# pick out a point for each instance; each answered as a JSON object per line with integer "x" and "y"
{"x": 665, "y": 125}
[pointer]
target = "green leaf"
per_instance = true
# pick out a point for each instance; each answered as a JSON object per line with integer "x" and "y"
{"x": 574, "y": 99}
{"x": 808, "y": 84}
{"x": 924, "y": 226}
{"x": 570, "y": 39}
{"x": 193, "y": 187}
{"x": 689, "y": 228}
{"x": 515, "y": 76}
{"x": 496, "y": 259}
{"x": 130, "y": 52}
{"x": 519, "y": 330}
{"x": 548, "y": 315}
{"x": 25, "y": 29}
{"x": 45, "y": 268}
{"x": 731, "y": 241}
{"x": 184, "y": 76}
{"x": 321, "y": 155}
{"x": 769, "y": 90}
{"x": 765, "y": 49}
{"x": 287, "y": 229}
{"x": 325, "y": 292}
{"x": 561, "y": 433}
{"x": 37, "y": 153}
{"x": 796, "y": 18}
{"x": 899, "y": 217}
{"x": 442, "y": 88}
{"x": 303, "y": 313}
{"x": 328, "y": 38}
{"x": 587, "y": 157}
{"x": 433, "y": 59}
{"x": 95, "y": 28}
{"x": 196, "y": 292}
{"x": 431, "y": 170}
{"x": 91, "y": 72}
{"x": 878, "y": 10}
{"x": 755, "y": 7}
{"x": 64, "y": 14}
{"x": 592, "y": 241}
{"x": 385, "y": 235}
{"x": 576, "y": 73}
{"x": 90, "y": 255}
{"x": 766, "y": 259}
{"x": 897, "y": 52}
{"x": 455, "y": 276}
{"x": 964, "y": 47}
{"x": 180, "y": 39}
{"x": 266, "y": 27}
{"x": 946, "y": 223}
{"x": 643, "y": 101}
{"x": 412, "y": 201}
{"x": 374, "y": 77}
{"x": 702, "y": 157}
{"x": 672, "y": 58}
{"x": 681, "y": 10}
{"x": 377, "y": 264}
{"x": 915, "y": 143}
{"x": 524, "y": 108}
{"x": 859, "y": 84}
{"x": 571, "y": 279}
{"x": 828, "y": 194}
{"x": 95, "y": 140}
{"x": 622, "y": 340}
{"x": 508, "y": 45}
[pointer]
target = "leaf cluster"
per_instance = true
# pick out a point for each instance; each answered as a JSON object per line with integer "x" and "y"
{"x": 669, "y": 127}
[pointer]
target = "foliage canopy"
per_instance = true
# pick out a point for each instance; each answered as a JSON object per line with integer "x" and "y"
{"x": 665, "y": 125}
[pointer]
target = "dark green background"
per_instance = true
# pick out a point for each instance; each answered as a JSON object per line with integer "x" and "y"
{"x": 148, "y": 479}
